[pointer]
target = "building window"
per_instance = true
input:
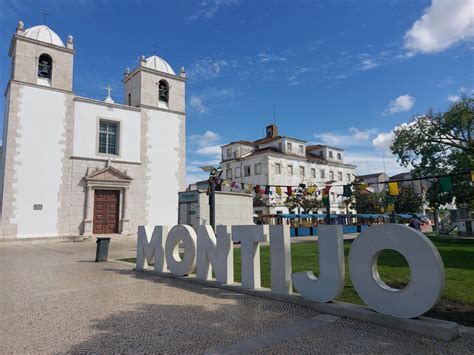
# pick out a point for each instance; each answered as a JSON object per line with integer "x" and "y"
{"x": 109, "y": 137}
{"x": 277, "y": 168}
{"x": 339, "y": 156}
{"x": 302, "y": 171}
{"x": 313, "y": 172}
{"x": 348, "y": 177}
{"x": 163, "y": 90}
{"x": 289, "y": 147}
{"x": 339, "y": 176}
{"x": 45, "y": 66}
{"x": 301, "y": 149}
{"x": 129, "y": 99}
{"x": 237, "y": 172}
{"x": 228, "y": 173}
{"x": 280, "y": 147}
{"x": 247, "y": 170}
{"x": 257, "y": 168}
{"x": 322, "y": 173}
{"x": 290, "y": 169}
{"x": 229, "y": 152}
{"x": 331, "y": 175}
{"x": 330, "y": 154}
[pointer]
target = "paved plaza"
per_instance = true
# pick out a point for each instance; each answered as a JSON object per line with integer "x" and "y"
{"x": 55, "y": 299}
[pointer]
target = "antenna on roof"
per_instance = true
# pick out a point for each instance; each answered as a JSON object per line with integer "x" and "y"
{"x": 45, "y": 13}
{"x": 274, "y": 114}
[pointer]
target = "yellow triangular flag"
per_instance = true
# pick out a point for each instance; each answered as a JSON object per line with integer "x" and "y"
{"x": 310, "y": 190}
{"x": 393, "y": 189}
{"x": 278, "y": 190}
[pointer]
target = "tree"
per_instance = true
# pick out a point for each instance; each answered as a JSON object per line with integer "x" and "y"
{"x": 307, "y": 202}
{"x": 408, "y": 201}
{"x": 438, "y": 144}
{"x": 368, "y": 202}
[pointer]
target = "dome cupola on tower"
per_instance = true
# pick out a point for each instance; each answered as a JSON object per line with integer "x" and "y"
{"x": 156, "y": 63}
{"x": 44, "y": 34}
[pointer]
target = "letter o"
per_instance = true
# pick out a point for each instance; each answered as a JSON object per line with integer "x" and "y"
{"x": 426, "y": 270}
{"x": 187, "y": 235}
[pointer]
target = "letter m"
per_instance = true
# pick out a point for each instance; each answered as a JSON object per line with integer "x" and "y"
{"x": 151, "y": 247}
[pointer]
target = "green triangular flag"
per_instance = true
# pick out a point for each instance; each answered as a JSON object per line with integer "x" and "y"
{"x": 347, "y": 191}
{"x": 446, "y": 183}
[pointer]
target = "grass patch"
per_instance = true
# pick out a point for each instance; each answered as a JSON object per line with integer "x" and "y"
{"x": 458, "y": 257}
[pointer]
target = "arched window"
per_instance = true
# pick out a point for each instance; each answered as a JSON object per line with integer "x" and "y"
{"x": 163, "y": 91}
{"x": 45, "y": 66}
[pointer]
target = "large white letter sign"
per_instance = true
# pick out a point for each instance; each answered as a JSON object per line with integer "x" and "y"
{"x": 186, "y": 235}
{"x": 214, "y": 252}
{"x": 426, "y": 270}
{"x": 250, "y": 237}
{"x": 151, "y": 246}
{"x": 280, "y": 259}
{"x": 330, "y": 282}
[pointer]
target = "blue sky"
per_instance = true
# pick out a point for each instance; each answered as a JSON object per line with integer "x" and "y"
{"x": 339, "y": 72}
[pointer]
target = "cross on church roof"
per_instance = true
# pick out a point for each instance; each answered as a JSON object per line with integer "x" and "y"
{"x": 109, "y": 97}
{"x": 155, "y": 48}
{"x": 45, "y": 13}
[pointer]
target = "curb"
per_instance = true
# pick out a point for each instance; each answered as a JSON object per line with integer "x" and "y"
{"x": 431, "y": 327}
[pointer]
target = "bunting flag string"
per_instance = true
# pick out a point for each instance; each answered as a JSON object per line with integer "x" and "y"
{"x": 445, "y": 183}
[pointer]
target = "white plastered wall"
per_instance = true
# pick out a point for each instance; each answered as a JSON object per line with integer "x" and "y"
{"x": 38, "y": 161}
{"x": 163, "y": 148}
{"x": 85, "y": 130}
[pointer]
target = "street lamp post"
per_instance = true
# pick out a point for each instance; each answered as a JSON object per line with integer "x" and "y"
{"x": 213, "y": 174}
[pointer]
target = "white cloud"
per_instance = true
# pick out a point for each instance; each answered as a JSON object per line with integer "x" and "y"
{"x": 213, "y": 150}
{"x": 210, "y": 8}
{"x": 196, "y": 103}
{"x": 355, "y": 137}
{"x": 205, "y": 139}
{"x": 442, "y": 24}
{"x": 208, "y": 68}
{"x": 453, "y": 98}
{"x": 368, "y": 63}
{"x": 266, "y": 57}
{"x": 402, "y": 103}
{"x": 206, "y": 144}
{"x": 11, "y": 9}
{"x": 368, "y": 163}
{"x": 383, "y": 141}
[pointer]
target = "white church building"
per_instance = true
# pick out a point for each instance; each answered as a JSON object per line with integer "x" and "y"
{"x": 76, "y": 166}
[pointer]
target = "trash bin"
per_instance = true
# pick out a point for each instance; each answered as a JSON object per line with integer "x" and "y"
{"x": 102, "y": 250}
{"x": 359, "y": 228}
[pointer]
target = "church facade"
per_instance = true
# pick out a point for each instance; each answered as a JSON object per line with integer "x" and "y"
{"x": 76, "y": 166}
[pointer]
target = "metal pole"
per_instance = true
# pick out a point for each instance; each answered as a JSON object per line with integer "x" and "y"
{"x": 328, "y": 213}
{"x": 212, "y": 203}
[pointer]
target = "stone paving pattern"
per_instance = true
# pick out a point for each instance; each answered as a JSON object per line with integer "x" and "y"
{"x": 55, "y": 299}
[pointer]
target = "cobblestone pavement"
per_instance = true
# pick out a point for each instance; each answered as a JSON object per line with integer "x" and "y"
{"x": 55, "y": 299}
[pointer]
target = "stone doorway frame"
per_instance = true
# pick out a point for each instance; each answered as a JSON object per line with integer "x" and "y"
{"x": 107, "y": 178}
